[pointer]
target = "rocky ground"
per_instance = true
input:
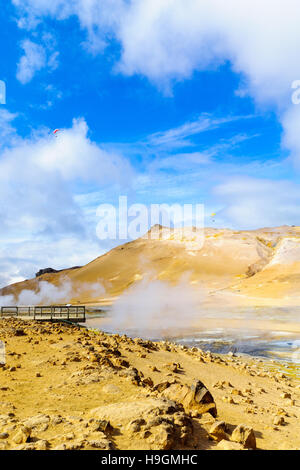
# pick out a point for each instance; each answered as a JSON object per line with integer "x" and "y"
{"x": 65, "y": 387}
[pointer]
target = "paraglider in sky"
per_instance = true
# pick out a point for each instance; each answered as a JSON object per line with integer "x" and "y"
{"x": 212, "y": 216}
{"x": 55, "y": 131}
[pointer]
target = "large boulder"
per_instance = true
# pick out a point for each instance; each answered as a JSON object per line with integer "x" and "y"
{"x": 195, "y": 398}
{"x": 22, "y": 435}
{"x": 227, "y": 445}
{"x": 244, "y": 435}
{"x": 217, "y": 431}
{"x": 37, "y": 421}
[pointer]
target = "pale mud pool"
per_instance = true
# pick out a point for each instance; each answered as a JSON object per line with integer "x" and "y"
{"x": 268, "y": 333}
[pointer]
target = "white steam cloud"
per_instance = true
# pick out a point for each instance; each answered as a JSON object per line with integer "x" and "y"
{"x": 50, "y": 294}
{"x": 154, "y": 308}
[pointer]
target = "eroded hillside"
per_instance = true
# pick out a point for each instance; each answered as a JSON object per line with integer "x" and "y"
{"x": 249, "y": 265}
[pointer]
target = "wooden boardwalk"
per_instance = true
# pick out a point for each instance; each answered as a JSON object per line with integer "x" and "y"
{"x": 46, "y": 313}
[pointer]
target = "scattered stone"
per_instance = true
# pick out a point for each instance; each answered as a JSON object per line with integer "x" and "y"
{"x": 237, "y": 392}
{"x": 37, "y": 421}
{"x": 227, "y": 445}
{"x": 100, "y": 425}
{"x": 56, "y": 420}
{"x": 19, "y": 332}
{"x": 42, "y": 444}
{"x": 22, "y": 435}
{"x": 148, "y": 382}
{"x": 111, "y": 389}
{"x": 135, "y": 425}
{"x": 162, "y": 386}
{"x": 229, "y": 400}
{"x": 173, "y": 367}
{"x": 60, "y": 447}
{"x": 218, "y": 431}
{"x": 100, "y": 444}
{"x": 244, "y": 435}
{"x": 160, "y": 416}
{"x": 278, "y": 421}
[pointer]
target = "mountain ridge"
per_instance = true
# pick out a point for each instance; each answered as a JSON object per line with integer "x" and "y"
{"x": 255, "y": 264}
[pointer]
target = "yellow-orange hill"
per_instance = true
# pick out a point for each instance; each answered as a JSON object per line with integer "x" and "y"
{"x": 260, "y": 266}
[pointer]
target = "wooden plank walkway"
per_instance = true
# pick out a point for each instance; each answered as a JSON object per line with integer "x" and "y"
{"x": 46, "y": 313}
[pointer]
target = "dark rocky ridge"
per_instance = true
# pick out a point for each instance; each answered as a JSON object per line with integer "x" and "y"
{"x": 53, "y": 271}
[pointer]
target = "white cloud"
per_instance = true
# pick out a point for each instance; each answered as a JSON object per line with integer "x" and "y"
{"x": 179, "y": 136}
{"x": 251, "y": 203}
{"x": 168, "y": 40}
{"x": 98, "y": 18}
{"x": 7, "y": 131}
{"x": 74, "y": 156}
{"x": 21, "y": 259}
{"x": 53, "y": 61}
{"x": 39, "y": 178}
{"x": 171, "y": 39}
{"x": 180, "y": 162}
{"x": 35, "y": 178}
{"x": 291, "y": 136}
{"x": 33, "y": 60}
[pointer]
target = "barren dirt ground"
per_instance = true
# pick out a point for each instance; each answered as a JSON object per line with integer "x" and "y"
{"x": 65, "y": 387}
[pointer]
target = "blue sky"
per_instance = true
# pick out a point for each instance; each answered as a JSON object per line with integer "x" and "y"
{"x": 166, "y": 102}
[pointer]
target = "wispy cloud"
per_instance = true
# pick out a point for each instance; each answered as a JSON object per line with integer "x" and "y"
{"x": 35, "y": 57}
{"x": 33, "y": 60}
{"x": 250, "y": 202}
{"x": 7, "y": 130}
{"x": 179, "y": 136}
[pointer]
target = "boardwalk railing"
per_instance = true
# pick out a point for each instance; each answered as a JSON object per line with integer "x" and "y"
{"x": 47, "y": 313}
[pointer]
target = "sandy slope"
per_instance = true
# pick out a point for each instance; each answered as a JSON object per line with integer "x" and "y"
{"x": 260, "y": 267}
{"x": 280, "y": 278}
